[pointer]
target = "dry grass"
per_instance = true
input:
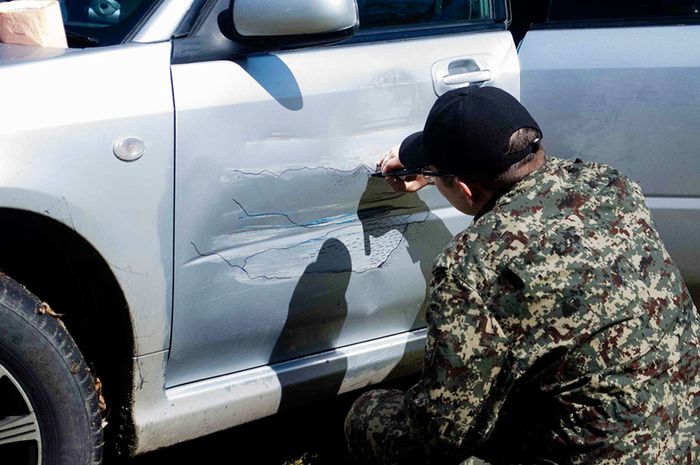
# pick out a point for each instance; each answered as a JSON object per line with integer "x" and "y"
{"x": 305, "y": 459}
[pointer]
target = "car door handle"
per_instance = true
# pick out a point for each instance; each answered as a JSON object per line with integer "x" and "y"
{"x": 467, "y": 78}
{"x": 455, "y": 72}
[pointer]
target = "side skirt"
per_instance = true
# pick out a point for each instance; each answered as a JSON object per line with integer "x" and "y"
{"x": 164, "y": 417}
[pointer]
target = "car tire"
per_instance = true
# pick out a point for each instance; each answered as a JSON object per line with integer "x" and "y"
{"x": 49, "y": 409}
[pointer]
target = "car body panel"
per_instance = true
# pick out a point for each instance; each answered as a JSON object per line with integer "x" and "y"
{"x": 57, "y": 159}
{"x": 285, "y": 246}
{"x": 166, "y": 417}
{"x": 678, "y": 222}
{"x": 629, "y": 97}
{"x": 615, "y": 95}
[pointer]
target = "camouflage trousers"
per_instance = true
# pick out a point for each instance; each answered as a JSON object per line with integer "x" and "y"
{"x": 378, "y": 433}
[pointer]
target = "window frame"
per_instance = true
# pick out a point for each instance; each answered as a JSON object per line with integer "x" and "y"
{"x": 439, "y": 29}
{"x": 617, "y": 23}
{"x": 594, "y": 23}
{"x": 492, "y": 4}
{"x": 195, "y": 42}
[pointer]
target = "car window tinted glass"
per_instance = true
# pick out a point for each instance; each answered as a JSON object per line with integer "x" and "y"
{"x": 391, "y": 13}
{"x": 101, "y": 22}
{"x": 566, "y": 10}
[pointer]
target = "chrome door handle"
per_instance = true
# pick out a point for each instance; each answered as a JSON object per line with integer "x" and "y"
{"x": 455, "y": 72}
{"x": 471, "y": 77}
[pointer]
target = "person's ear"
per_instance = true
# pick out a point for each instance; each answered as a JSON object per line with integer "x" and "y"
{"x": 465, "y": 190}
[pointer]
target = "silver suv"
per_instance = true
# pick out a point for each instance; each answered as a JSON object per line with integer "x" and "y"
{"x": 191, "y": 239}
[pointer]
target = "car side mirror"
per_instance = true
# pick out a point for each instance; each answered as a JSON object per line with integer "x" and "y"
{"x": 293, "y": 23}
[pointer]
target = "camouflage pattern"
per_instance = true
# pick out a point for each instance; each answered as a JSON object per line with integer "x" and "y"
{"x": 559, "y": 331}
{"x": 377, "y": 430}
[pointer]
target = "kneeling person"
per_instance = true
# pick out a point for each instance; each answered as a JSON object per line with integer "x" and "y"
{"x": 559, "y": 329}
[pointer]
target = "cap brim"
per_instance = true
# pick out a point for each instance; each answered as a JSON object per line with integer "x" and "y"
{"x": 412, "y": 153}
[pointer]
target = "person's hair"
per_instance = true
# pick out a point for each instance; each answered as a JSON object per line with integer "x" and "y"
{"x": 518, "y": 141}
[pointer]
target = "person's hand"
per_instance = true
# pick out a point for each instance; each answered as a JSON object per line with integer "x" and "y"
{"x": 390, "y": 162}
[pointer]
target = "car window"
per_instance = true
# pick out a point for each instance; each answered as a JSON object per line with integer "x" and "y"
{"x": 566, "y": 10}
{"x": 377, "y": 14}
{"x": 102, "y": 22}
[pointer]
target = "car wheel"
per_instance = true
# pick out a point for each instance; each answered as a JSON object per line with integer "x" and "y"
{"x": 49, "y": 412}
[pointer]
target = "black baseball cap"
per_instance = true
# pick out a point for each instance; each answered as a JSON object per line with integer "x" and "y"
{"x": 467, "y": 132}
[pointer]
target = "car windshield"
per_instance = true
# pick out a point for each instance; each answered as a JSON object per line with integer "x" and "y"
{"x": 90, "y": 23}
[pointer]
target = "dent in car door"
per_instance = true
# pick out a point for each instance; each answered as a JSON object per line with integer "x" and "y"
{"x": 284, "y": 244}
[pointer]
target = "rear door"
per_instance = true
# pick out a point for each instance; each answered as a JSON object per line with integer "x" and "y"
{"x": 618, "y": 81}
{"x": 284, "y": 245}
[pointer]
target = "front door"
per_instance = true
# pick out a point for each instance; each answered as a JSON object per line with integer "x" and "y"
{"x": 284, "y": 245}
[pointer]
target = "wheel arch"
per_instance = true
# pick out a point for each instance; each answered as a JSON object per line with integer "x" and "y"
{"x": 64, "y": 270}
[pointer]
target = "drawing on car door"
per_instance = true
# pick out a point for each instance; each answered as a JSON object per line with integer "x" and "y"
{"x": 285, "y": 247}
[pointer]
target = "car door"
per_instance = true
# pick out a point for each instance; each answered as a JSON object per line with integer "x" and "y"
{"x": 619, "y": 82}
{"x": 284, "y": 244}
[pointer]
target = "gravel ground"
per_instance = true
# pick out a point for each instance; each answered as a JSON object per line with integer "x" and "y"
{"x": 311, "y": 435}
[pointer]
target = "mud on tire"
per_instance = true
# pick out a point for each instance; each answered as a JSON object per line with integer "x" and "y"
{"x": 49, "y": 412}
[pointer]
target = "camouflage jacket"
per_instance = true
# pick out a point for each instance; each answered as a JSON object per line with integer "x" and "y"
{"x": 559, "y": 324}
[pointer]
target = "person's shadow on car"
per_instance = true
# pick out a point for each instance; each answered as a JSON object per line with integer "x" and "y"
{"x": 318, "y": 307}
{"x": 381, "y": 210}
{"x": 317, "y": 311}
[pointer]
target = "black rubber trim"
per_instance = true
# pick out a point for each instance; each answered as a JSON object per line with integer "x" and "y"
{"x": 612, "y": 23}
{"x": 433, "y": 30}
{"x": 501, "y": 13}
{"x": 190, "y": 19}
{"x": 217, "y": 47}
{"x": 138, "y": 25}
